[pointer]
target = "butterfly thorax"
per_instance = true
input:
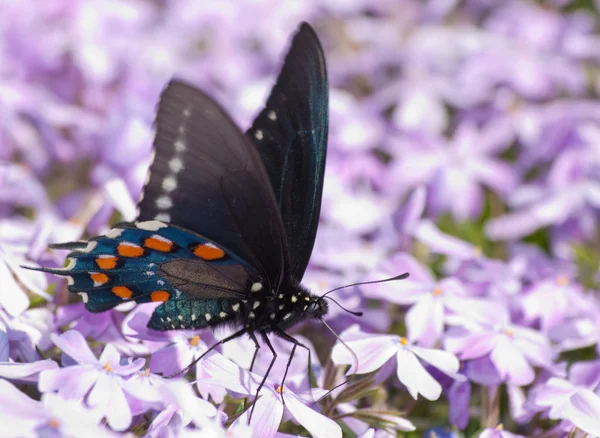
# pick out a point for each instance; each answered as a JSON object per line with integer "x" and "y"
{"x": 279, "y": 311}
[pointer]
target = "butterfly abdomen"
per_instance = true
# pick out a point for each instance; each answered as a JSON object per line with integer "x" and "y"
{"x": 195, "y": 314}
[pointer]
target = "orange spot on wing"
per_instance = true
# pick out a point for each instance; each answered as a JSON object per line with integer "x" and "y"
{"x": 108, "y": 262}
{"x": 208, "y": 251}
{"x": 122, "y": 291}
{"x": 130, "y": 250}
{"x": 99, "y": 278}
{"x": 158, "y": 244}
{"x": 160, "y": 295}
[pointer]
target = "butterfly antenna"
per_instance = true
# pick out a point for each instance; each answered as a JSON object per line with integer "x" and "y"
{"x": 353, "y": 354}
{"x": 385, "y": 280}
{"x": 343, "y": 308}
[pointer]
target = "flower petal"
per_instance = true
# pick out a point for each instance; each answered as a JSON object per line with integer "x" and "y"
{"x": 371, "y": 353}
{"x": 110, "y": 356}
{"x": 266, "y": 417}
{"x": 414, "y": 376}
{"x": 73, "y": 344}
{"x": 26, "y": 371}
{"x": 318, "y": 425}
{"x": 425, "y": 320}
{"x": 511, "y": 364}
{"x": 585, "y": 411}
{"x": 443, "y": 360}
{"x": 71, "y": 382}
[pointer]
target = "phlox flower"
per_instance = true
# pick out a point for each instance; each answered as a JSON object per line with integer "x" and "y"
{"x": 13, "y": 299}
{"x": 513, "y": 349}
{"x": 27, "y": 331}
{"x": 269, "y": 406}
{"x": 173, "y": 351}
{"x": 151, "y": 391}
{"x": 373, "y": 351}
{"x": 553, "y": 300}
{"x": 455, "y": 171}
{"x": 576, "y": 399}
{"x": 22, "y": 416}
{"x": 100, "y": 381}
{"x": 429, "y": 300}
{"x": 581, "y": 406}
{"x": 26, "y": 371}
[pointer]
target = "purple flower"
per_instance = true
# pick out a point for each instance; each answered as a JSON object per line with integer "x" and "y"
{"x": 27, "y": 371}
{"x": 513, "y": 349}
{"x": 53, "y": 416}
{"x": 455, "y": 171}
{"x": 571, "y": 193}
{"x": 372, "y": 351}
{"x": 430, "y": 300}
{"x": 552, "y": 301}
{"x": 100, "y": 381}
{"x": 13, "y": 299}
{"x": 27, "y": 331}
{"x": 269, "y": 409}
{"x": 579, "y": 405}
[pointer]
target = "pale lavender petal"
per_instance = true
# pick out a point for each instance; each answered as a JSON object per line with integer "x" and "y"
{"x": 71, "y": 383}
{"x": 444, "y": 361}
{"x": 409, "y": 216}
{"x": 472, "y": 345}
{"x": 511, "y": 364}
{"x": 180, "y": 393}
{"x": 318, "y": 425}
{"x": 17, "y": 406}
{"x": 267, "y": 415}
{"x": 425, "y": 320}
{"x": 497, "y": 175}
{"x": 585, "y": 411}
{"x": 107, "y": 396}
{"x": 459, "y": 396}
{"x": 73, "y": 344}
{"x": 520, "y": 223}
{"x": 12, "y": 298}
{"x": 442, "y": 243}
{"x": 4, "y": 347}
{"x": 100, "y": 394}
{"x": 225, "y": 373}
{"x": 414, "y": 376}
{"x": 170, "y": 359}
{"x": 118, "y": 412}
{"x": 110, "y": 356}
{"x": 26, "y": 371}
{"x": 127, "y": 370}
{"x": 372, "y": 353}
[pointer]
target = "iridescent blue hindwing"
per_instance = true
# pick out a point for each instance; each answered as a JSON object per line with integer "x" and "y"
{"x": 140, "y": 262}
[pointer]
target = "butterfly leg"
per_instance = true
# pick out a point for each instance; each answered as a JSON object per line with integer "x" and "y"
{"x": 215, "y": 345}
{"x": 256, "y": 347}
{"x": 296, "y": 343}
{"x": 265, "y": 338}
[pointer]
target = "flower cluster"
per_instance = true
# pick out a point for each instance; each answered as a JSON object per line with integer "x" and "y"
{"x": 464, "y": 149}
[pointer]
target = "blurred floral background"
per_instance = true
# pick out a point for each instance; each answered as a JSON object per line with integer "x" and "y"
{"x": 464, "y": 149}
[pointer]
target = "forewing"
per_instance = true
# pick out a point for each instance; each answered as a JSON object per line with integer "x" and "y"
{"x": 207, "y": 177}
{"x": 291, "y": 136}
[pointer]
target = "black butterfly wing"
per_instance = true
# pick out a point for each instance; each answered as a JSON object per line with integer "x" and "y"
{"x": 291, "y": 136}
{"x": 207, "y": 177}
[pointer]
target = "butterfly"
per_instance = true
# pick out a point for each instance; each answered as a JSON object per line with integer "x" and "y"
{"x": 227, "y": 220}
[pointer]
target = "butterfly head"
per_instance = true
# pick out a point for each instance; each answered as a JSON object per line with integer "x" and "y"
{"x": 317, "y": 308}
